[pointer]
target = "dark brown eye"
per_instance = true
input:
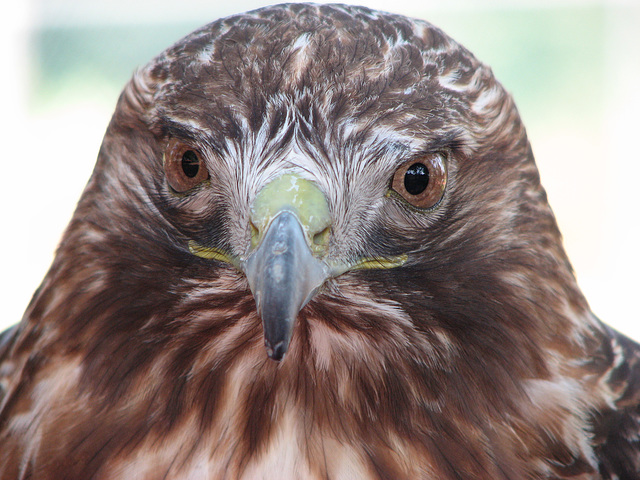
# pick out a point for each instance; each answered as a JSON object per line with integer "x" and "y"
{"x": 421, "y": 181}
{"x": 183, "y": 166}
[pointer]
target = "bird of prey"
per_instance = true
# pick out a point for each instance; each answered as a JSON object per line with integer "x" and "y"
{"x": 315, "y": 246}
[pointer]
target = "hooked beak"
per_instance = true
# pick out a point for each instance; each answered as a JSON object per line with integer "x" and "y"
{"x": 291, "y": 223}
{"x": 283, "y": 275}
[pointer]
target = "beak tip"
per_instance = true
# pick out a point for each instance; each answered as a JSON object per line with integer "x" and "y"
{"x": 276, "y": 352}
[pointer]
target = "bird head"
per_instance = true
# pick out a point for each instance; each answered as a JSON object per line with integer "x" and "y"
{"x": 328, "y": 168}
{"x": 352, "y": 189}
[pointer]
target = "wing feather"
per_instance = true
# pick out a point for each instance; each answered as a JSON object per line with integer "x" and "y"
{"x": 617, "y": 429}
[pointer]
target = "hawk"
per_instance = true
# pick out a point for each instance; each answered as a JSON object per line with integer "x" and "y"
{"x": 315, "y": 246}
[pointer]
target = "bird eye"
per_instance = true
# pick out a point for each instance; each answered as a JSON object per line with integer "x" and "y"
{"x": 183, "y": 166}
{"x": 421, "y": 181}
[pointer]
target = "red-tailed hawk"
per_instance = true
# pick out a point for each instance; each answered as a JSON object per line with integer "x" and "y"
{"x": 354, "y": 190}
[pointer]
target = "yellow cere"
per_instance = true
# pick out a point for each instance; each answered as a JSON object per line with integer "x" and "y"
{"x": 301, "y": 197}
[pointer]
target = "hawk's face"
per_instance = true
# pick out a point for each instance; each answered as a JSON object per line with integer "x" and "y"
{"x": 361, "y": 164}
{"x": 392, "y": 164}
{"x": 352, "y": 188}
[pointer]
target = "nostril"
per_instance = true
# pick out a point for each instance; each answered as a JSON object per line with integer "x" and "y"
{"x": 255, "y": 235}
{"x": 322, "y": 238}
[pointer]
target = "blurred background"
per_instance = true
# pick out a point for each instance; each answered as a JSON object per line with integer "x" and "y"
{"x": 573, "y": 67}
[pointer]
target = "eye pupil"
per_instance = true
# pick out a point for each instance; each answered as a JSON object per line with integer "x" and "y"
{"x": 190, "y": 163}
{"x": 416, "y": 179}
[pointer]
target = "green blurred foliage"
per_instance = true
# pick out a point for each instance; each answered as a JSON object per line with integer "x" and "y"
{"x": 550, "y": 59}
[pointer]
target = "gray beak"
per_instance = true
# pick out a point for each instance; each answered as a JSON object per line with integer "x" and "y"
{"x": 283, "y": 276}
